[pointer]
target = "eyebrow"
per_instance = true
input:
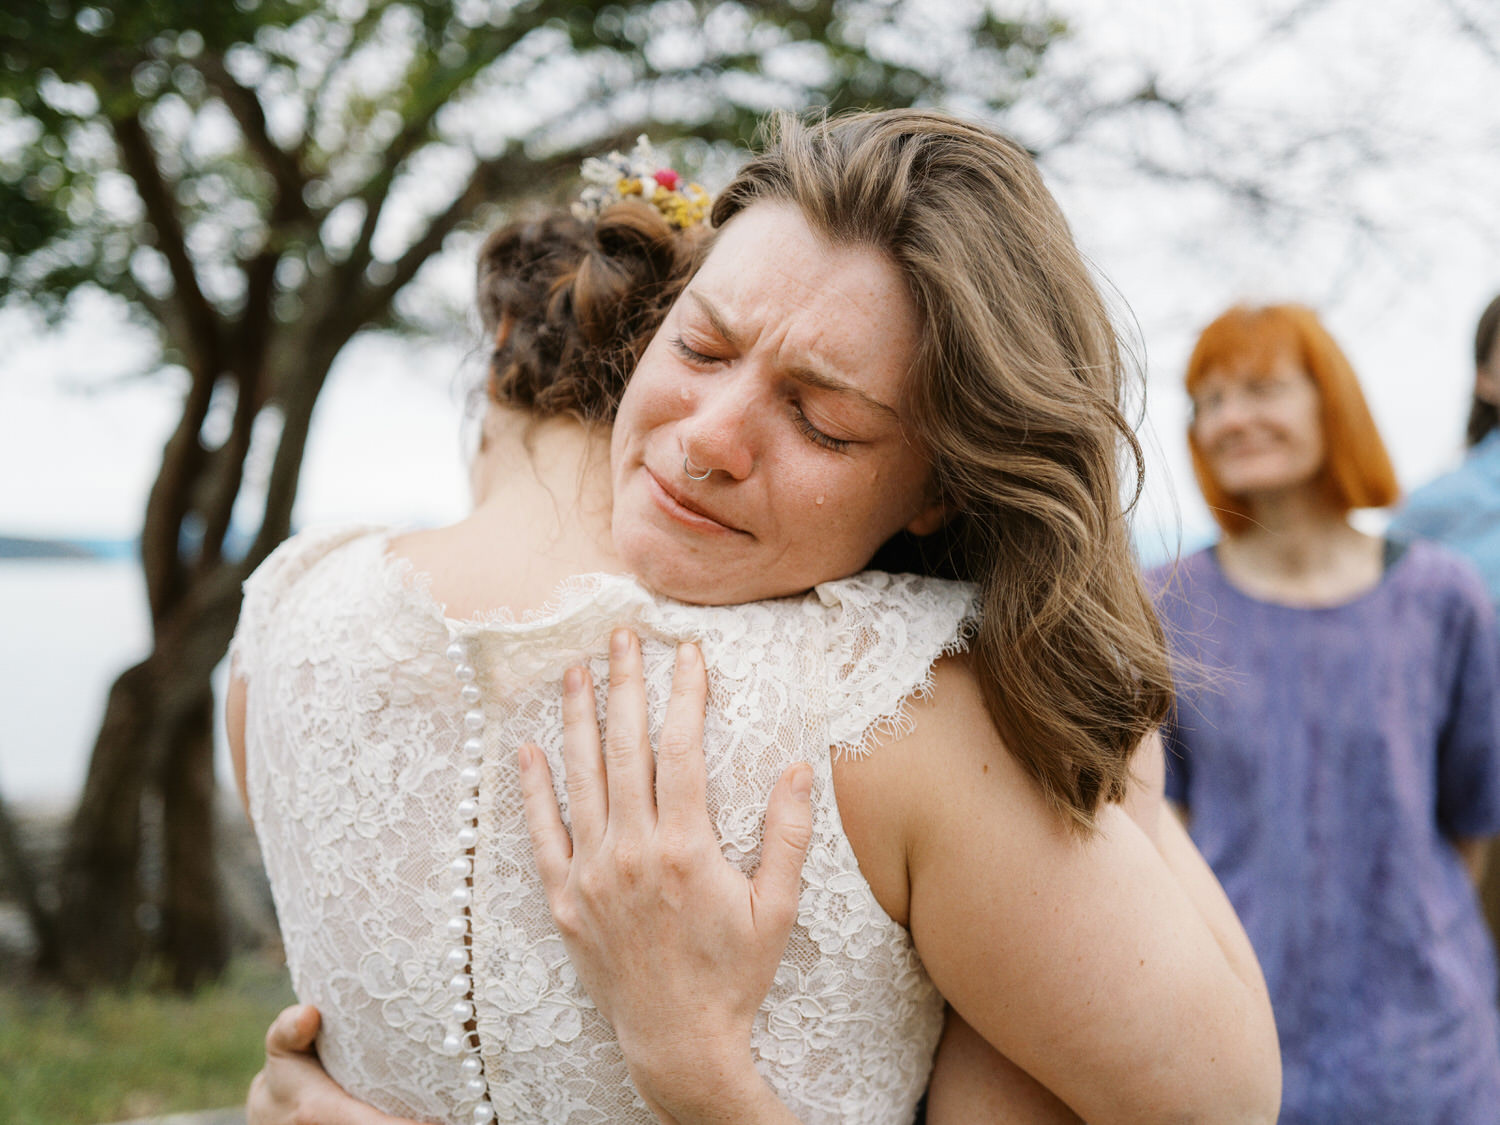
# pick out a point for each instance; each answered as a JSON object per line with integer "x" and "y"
{"x": 808, "y": 375}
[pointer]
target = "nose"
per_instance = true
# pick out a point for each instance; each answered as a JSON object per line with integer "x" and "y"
{"x": 1228, "y": 414}
{"x": 718, "y": 430}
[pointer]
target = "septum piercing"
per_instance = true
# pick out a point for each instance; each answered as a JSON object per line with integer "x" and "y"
{"x": 687, "y": 468}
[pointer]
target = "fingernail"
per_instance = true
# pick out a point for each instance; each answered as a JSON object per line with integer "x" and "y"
{"x": 687, "y": 656}
{"x": 619, "y": 642}
{"x": 573, "y": 680}
{"x": 523, "y": 756}
{"x": 802, "y": 783}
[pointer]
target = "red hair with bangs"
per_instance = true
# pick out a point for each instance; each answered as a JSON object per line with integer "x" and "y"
{"x": 1357, "y": 469}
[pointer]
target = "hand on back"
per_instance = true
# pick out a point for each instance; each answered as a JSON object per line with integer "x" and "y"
{"x": 655, "y": 920}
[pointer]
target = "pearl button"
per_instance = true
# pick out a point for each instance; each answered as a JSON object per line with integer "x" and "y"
{"x": 467, "y": 837}
{"x": 458, "y": 927}
{"x": 476, "y": 1087}
{"x": 470, "y": 1066}
{"x": 456, "y": 958}
{"x": 461, "y": 867}
{"x": 470, "y": 694}
{"x": 474, "y": 748}
{"x": 460, "y": 897}
{"x": 474, "y": 720}
{"x": 458, "y": 984}
{"x": 483, "y": 1114}
{"x": 463, "y": 1011}
{"x": 464, "y": 672}
{"x": 456, "y": 652}
{"x": 466, "y": 810}
{"x": 468, "y": 776}
{"x": 452, "y": 1044}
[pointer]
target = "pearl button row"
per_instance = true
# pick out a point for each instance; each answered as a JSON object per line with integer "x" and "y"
{"x": 457, "y": 961}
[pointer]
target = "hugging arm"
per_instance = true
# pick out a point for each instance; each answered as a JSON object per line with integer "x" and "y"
{"x": 1110, "y": 967}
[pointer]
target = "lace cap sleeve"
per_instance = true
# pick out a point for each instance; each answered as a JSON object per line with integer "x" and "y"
{"x": 885, "y": 632}
{"x": 271, "y": 580}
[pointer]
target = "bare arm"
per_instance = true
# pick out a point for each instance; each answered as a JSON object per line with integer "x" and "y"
{"x": 1110, "y": 968}
{"x": 972, "y": 1082}
{"x": 235, "y": 702}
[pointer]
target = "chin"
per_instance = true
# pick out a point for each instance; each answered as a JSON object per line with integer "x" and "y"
{"x": 686, "y": 581}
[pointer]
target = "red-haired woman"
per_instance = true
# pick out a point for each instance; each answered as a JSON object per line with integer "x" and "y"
{"x": 1336, "y": 744}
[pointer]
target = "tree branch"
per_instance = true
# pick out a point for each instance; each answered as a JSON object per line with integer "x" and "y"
{"x": 435, "y": 93}
{"x": 283, "y": 166}
{"x": 252, "y": 340}
{"x": 201, "y": 342}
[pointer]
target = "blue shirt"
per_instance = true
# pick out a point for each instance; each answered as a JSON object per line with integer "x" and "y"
{"x": 1327, "y": 757}
{"x": 1462, "y": 511}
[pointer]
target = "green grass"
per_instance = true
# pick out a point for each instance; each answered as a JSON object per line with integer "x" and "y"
{"x": 117, "y": 1055}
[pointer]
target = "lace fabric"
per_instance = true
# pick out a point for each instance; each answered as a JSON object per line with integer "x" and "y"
{"x": 355, "y": 732}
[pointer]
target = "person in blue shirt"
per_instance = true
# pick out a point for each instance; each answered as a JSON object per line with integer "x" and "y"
{"x": 1461, "y": 510}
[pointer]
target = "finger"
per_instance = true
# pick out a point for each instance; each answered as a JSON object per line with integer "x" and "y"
{"x": 628, "y": 767}
{"x": 680, "y": 779}
{"x": 551, "y": 847}
{"x": 293, "y": 1030}
{"x": 778, "y": 879}
{"x": 583, "y": 767}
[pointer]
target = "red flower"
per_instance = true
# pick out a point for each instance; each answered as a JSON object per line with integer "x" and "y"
{"x": 667, "y": 178}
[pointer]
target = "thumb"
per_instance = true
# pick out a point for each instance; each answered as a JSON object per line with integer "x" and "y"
{"x": 788, "y": 831}
{"x": 293, "y": 1031}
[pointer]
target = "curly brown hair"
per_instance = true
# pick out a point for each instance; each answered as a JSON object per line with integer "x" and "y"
{"x": 569, "y": 304}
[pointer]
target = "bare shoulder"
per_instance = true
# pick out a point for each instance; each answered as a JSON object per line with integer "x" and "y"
{"x": 915, "y": 788}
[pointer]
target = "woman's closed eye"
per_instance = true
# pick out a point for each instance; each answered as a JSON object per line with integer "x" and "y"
{"x": 693, "y": 355}
{"x": 815, "y": 435}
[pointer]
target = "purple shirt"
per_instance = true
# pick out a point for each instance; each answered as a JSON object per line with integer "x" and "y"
{"x": 1327, "y": 756}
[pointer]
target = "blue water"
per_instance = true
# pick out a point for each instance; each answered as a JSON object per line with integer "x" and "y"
{"x": 68, "y": 627}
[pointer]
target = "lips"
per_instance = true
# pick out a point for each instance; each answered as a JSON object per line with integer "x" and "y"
{"x": 685, "y": 510}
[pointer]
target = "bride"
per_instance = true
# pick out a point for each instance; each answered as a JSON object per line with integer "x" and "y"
{"x": 891, "y": 333}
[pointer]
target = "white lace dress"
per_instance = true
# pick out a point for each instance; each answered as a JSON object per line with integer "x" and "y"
{"x": 381, "y": 743}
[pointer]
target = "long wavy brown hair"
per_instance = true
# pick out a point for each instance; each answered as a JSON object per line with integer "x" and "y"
{"x": 1017, "y": 397}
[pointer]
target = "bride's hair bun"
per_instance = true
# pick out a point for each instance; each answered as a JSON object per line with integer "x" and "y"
{"x": 568, "y": 305}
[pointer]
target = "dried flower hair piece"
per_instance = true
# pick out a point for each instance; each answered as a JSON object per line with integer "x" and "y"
{"x": 644, "y": 175}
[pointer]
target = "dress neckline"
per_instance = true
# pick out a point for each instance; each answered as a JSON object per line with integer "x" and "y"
{"x": 571, "y": 596}
{"x": 1390, "y": 563}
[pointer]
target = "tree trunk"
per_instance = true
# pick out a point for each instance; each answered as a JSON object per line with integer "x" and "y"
{"x": 100, "y": 887}
{"x": 136, "y": 885}
{"x": 194, "y": 941}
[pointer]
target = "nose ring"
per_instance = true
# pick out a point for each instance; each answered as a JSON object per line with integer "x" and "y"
{"x": 687, "y": 467}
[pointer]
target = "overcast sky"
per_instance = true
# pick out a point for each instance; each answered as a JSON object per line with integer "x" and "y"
{"x": 79, "y": 443}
